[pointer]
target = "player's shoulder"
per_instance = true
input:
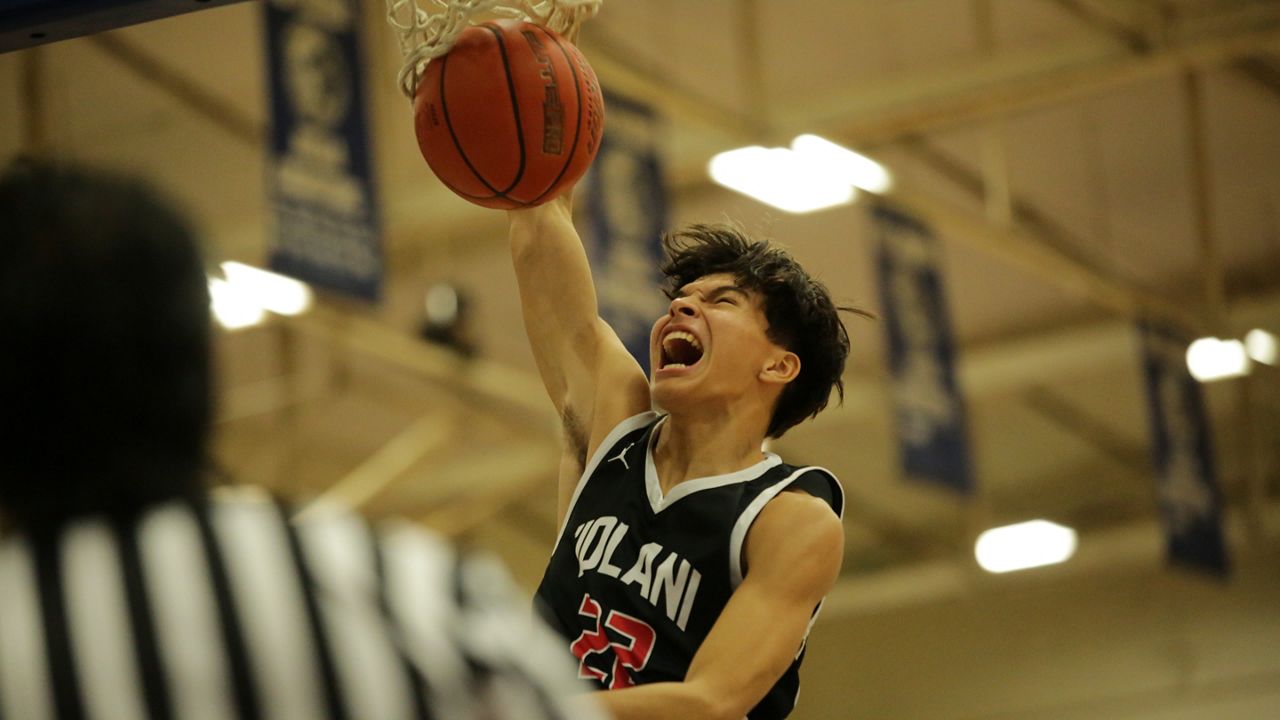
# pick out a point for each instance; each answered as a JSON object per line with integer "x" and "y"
{"x": 795, "y": 526}
{"x": 799, "y": 502}
{"x": 812, "y": 481}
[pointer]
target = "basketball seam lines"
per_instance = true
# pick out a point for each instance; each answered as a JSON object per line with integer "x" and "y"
{"x": 515, "y": 108}
{"x": 444, "y": 110}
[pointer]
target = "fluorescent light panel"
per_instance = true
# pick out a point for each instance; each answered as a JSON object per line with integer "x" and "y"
{"x": 813, "y": 174}
{"x": 1210, "y": 359}
{"x": 1025, "y": 545}
{"x": 245, "y": 294}
{"x": 274, "y": 292}
{"x": 232, "y": 309}
{"x": 1262, "y": 346}
{"x": 858, "y": 170}
{"x": 776, "y": 176}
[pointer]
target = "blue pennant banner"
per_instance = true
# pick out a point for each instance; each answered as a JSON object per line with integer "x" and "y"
{"x": 929, "y": 411}
{"x": 320, "y": 171}
{"x": 1187, "y": 489}
{"x": 627, "y": 205}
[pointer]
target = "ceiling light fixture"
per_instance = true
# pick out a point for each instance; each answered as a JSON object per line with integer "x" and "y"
{"x": 813, "y": 174}
{"x": 854, "y": 168}
{"x": 1262, "y": 346}
{"x": 1210, "y": 359}
{"x": 231, "y": 308}
{"x": 277, "y": 293}
{"x": 1025, "y": 545}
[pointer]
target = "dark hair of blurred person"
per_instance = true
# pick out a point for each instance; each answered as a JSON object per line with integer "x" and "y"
{"x": 105, "y": 388}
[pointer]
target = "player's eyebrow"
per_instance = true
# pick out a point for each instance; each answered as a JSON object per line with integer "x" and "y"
{"x": 715, "y": 292}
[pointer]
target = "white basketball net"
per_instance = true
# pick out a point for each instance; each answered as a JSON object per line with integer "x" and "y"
{"x": 425, "y": 36}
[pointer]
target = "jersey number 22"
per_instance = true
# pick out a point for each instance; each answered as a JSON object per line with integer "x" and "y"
{"x": 629, "y": 655}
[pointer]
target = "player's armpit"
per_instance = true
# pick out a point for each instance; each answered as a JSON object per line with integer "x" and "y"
{"x": 794, "y": 553}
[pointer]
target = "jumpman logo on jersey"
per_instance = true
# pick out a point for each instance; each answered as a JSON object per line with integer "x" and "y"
{"x": 622, "y": 455}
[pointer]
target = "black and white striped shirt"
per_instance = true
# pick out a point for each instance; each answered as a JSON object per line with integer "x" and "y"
{"x": 232, "y": 611}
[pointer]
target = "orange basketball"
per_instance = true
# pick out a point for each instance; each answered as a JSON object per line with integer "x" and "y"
{"x": 510, "y": 116}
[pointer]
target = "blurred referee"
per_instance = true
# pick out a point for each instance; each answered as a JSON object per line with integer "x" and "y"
{"x": 126, "y": 589}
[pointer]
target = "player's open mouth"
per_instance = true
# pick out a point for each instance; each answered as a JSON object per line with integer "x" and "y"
{"x": 680, "y": 349}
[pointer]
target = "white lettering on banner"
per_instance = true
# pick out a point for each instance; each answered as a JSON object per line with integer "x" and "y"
{"x": 298, "y": 179}
{"x": 672, "y": 587}
{"x": 327, "y": 241}
{"x": 924, "y": 403}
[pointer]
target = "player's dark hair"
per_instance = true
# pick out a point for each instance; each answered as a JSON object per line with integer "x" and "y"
{"x": 105, "y": 387}
{"x": 801, "y": 315}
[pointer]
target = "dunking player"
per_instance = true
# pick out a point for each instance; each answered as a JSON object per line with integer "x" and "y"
{"x": 690, "y": 563}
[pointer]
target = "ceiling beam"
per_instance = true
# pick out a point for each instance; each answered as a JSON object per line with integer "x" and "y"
{"x": 1024, "y": 214}
{"x": 1066, "y": 414}
{"x": 486, "y": 384}
{"x": 1037, "y": 256}
{"x": 185, "y": 90}
{"x": 1133, "y": 38}
{"x": 387, "y": 464}
{"x": 1260, "y": 72}
{"x": 1013, "y": 82}
{"x": 619, "y": 72}
{"x": 531, "y": 471}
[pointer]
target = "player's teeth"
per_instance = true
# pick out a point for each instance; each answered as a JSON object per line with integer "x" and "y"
{"x": 682, "y": 335}
{"x": 676, "y": 365}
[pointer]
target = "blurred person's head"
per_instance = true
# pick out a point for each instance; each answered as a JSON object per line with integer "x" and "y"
{"x": 105, "y": 388}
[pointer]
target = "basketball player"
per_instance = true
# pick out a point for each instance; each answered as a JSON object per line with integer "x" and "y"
{"x": 690, "y": 563}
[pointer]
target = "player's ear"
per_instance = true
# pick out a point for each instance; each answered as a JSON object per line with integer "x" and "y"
{"x": 781, "y": 368}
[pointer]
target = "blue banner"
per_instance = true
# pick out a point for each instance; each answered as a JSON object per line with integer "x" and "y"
{"x": 1190, "y": 502}
{"x": 320, "y": 171}
{"x": 929, "y": 412}
{"x": 627, "y": 204}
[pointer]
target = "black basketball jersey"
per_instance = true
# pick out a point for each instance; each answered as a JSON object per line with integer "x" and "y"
{"x": 637, "y": 579}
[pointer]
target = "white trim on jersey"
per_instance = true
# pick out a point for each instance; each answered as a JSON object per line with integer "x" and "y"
{"x": 653, "y": 486}
{"x": 748, "y": 516}
{"x": 631, "y": 424}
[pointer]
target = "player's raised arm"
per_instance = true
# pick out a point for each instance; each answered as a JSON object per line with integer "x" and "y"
{"x": 589, "y": 376}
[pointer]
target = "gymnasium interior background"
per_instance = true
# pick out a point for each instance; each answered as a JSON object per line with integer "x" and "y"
{"x": 1084, "y": 165}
